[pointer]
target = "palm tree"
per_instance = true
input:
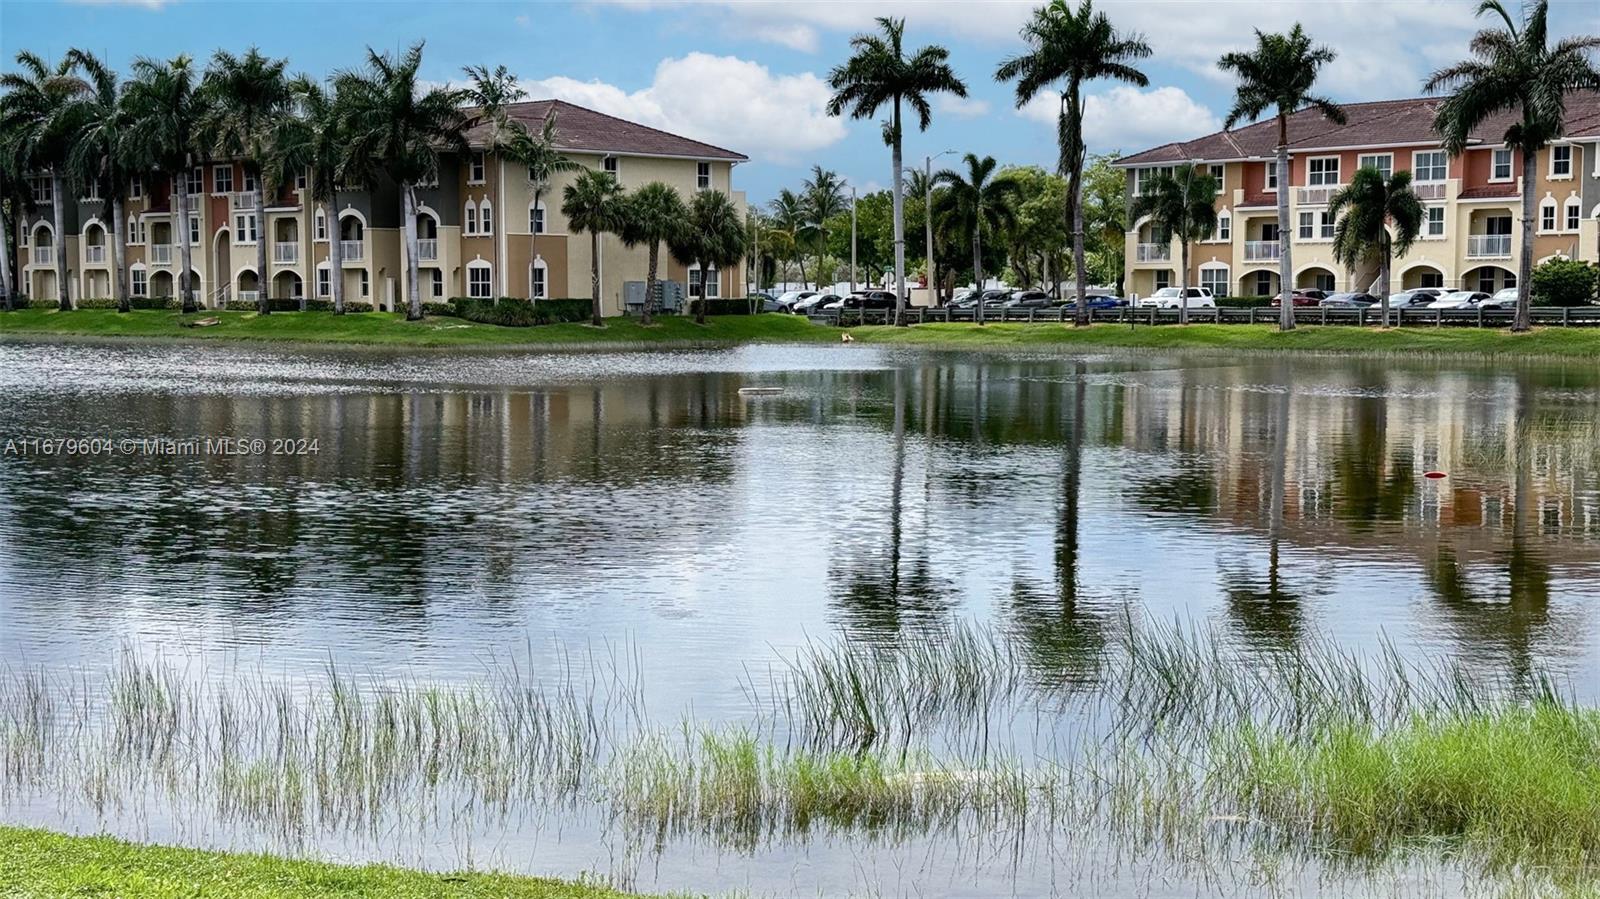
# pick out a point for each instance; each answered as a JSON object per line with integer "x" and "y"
{"x": 977, "y": 204}
{"x": 712, "y": 237}
{"x": 164, "y": 107}
{"x": 1279, "y": 76}
{"x": 1364, "y": 208}
{"x": 789, "y": 217}
{"x": 823, "y": 196}
{"x": 491, "y": 92}
{"x": 1072, "y": 47}
{"x": 537, "y": 151}
{"x": 653, "y": 214}
{"x": 311, "y": 142}
{"x": 41, "y": 113}
{"x": 100, "y": 154}
{"x": 880, "y": 73}
{"x": 1183, "y": 203}
{"x": 243, "y": 100}
{"x": 593, "y": 203}
{"x": 15, "y": 198}
{"x": 1515, "y": 71}
{"x": 402, "y": 129}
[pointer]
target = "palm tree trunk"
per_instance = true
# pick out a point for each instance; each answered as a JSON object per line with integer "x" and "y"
{"x": 899, "y": 227}
{"x": 650, "y": 283}
{"x": 1080, "y": 276}
{"x": 700, "y": 307}
{"x": 977, "y": 269}
{"x": 1285, "y": 269}
{"x": 59, "y": 217}
{"x": 800, "y": 260}
{"x": 1383, "y": 276}
{"x": 185, "y": 288}
{"x": 594, "y": 278}
{"x": 263, "y": 299}
{"x": 1183, "y": 283}
{"x": 408, "y": 195}
{"x": 1524, "y": 318}
{"x": 118, "y": 252}
{"x": 335, "y": 254}
{"x": 7, "y": 293}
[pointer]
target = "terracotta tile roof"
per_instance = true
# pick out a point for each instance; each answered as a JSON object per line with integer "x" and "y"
{"x": 1508, "y": 189}
{"x": 1380, "y": 123}
{"x": 1263, "y": 198}
{"x": 581, "y": 129}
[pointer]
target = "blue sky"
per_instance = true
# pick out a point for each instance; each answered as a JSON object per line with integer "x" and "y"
{"x": 751, "y": 75}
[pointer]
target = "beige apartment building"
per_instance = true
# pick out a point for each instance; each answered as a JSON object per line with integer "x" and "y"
{"x": 1471, "y": 235}
{"x": 481, "y": 234}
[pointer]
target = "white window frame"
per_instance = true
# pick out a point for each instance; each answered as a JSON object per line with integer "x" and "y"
{"x": 538, "y": 222}
{"x": 702, "y": 176}
{"x": 436, "y": 283}
{"x": 194, "y": 229}
{"x": 473, "y": 267}
{"x": 538, "y": 279}
{"x": 1559, "y": 175}
{"x": 91, "y": 191}
{"x": 1224, "y": 232}
{"x": 1320, "y": 179}
{"x": 485, "y": 217}
{"x": 1215, "y": 269}
{"x": 249, "y": 182}
{"x": 366, "y": 284}
{"x": 1572, "y": 214}
{"x": 319, "y": 226}
{"x": 1217, "y": 170}
{"x": 136, "y": 188}
{"x": 44, "y": 190}
{"x": 612, "y": 166}
{"x": 196, "y": 185}
{"x": 135, "y": 236}
{"x": 1321, "y": 226}
{"x": 1549, "y": 216}
{"x": 1163, "y": 278}
{"x": 221, "y": 179}
{"x": 1428, "y": 222}
{"x": 1386, "y": 169}
{"x": 1494, "y": 165}
{"x": 1444, "y": 163}
{"x": 139, "y": 280}
{"x": 244, "y": 223}
{"x": 716, "y": 284}
{"x": 469, "y": 219}
{"x": 1271, "y": 181}
{"x": 300, "y": 181}
{"x": 477, "y": 167}
{"x": 325, "y": 280}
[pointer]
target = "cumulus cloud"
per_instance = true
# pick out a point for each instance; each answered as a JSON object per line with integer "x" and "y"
{"x": 1129, "y": 119}
{"x": 723, "y": 100}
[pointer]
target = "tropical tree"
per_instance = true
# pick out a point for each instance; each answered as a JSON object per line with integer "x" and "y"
{"x": 789, "y": 217}
{"x": 1365, "y": 209}
{"x": 243, "y": 99}
{"x": 41, "y": 114}
{"x": 880, "y": 73}
{"x": 401, "y": 129}
{"x": 712, "y": 237}
{"x": 1184, "y": 204}
{"x": 1279, "y": 75}
{"x": 823, "y": 196}
{"x": 651, "y": 216}
{"x": 593, "y": 203}
{"x": 100, "y": 155}
{"x": 536, "y": 152}
{"x": 1105, "y": 218}
{"x": 311, "y": 141}
{"x": 164, "y": 107}
{"x": 1070, "y": 48}
{"x": 978, "y": 203}
{"x": 1516, "y": 71}
{"x": 15, "y": 199}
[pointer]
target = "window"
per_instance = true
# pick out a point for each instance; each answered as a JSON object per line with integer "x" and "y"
{"x": 141, "y": 282}
{"x": 1324, "y": 282}
{"x": 1430, "y": 165}
{"x": 1322, "y": 171}
{"x": 1269, "y": 232}
{"x": 1224, "y": 227}
{"x": 320, "y": 230}
{"x": 366, "y": 284}
{"x": 1308, "y": 225}
{"x": 222, "y": 178}
{"x": 469, "y": 219}
{"x": 1561, "y": 161}
{"x": 1216, "y": 170}
{"x": 609, "y": 164}
{"x": 44, "y": 190}
{"x": 1163, "y": 278}
{"x": 196, "y": 183}
{"x": 485, "y": 217}
{"x": 1574, "y": 214}
{"x": 136, "y": 188}
{"x": 1383, "y": 162}
{"x": 538, "y": 280}
{"x": 475, "y": 168}
{"x": 536, "y": 219}
{"x": 438, "y": 284}
{"x": 133, "y": 231}
{"x": 1264, "y": 284}
{"x": 1327, "y": 228}
{"x": 1272, "y": 175}
{"x": 324, "y": 281}
{"x": 194, "y": 229}
{"x": 244, "y": 227}
{"x": 1316, "y": 226}
{"x": 300, "y": 181}
{"x": 712, "y": 283}
{"x": 1216, "y": 279}
{"x": 1433, "y": 226}
{"x": 1547, "y": 216}
{"x": 249, "y": 183}
{"x": 91, "y": 191}
{"x": 1432, "y": 279}
{"x": 479, "y": 281}
{"x": 1500, "y": 165}
{"x": 1486, "y": 280}
{"x": 702, "y": 175}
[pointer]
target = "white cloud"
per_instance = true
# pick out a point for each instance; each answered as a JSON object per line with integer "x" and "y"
{"x": 723, "y": 100}
{"x": 961, "y": 107}
{"x": 524, "y": 21}
{"x": 1129, "y": 119}
{"x": 795, "y": 37}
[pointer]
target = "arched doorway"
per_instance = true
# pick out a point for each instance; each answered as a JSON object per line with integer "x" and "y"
{"x": 1421, "y": 275}
{"x": 247, "y": 284}
{"x": 1260, "y": 282}
{"x": 1488, "y": 279}
{"x": 287, "y": 286}
{"x": 1317, "y": 277}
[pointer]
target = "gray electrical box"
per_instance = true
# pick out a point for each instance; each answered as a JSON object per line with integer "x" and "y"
{"x": 669, "y": 296}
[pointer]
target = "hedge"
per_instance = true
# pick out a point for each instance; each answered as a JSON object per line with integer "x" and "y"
{"x": 1244, "y": 302}
{"x": 515, "y": 312}
{"x": 724, "y": 306}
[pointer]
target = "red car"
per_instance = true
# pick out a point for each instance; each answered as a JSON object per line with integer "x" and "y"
{"x": 1307, "y": 297}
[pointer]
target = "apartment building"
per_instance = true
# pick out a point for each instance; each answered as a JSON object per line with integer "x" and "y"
{"x": 1472, "y": 232}
{"x": 480, "y": 232}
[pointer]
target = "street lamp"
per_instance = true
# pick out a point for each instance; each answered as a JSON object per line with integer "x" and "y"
{"x": 927, "y": 221}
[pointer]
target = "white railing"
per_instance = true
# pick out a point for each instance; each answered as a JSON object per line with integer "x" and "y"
{"x": 1315, "y": 196}
{"x": 249, "y": 296}
{"x": 285, "y": 253}
{"x": 1261, "y": 250}
{"x": 192, "y": 202}
{"x": 1489, "y": 246}
{"x": 161, "y": 254}
{"x": 94, "y": 253}
{"x": 1153, "y": 252}
{"x": 1429, "y": 190}
{"x": 44, "y": 255}
{"x": 351, "y": 249}
{"x": 241, "y": 200}
{"x": 428, "y": 249}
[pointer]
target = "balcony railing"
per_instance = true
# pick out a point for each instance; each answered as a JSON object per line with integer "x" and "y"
{"x": 241, "y": 200}
{"x": 1261, "y": 250}
{"x": 44, "y": 255}
{"x": 1429, "y": 190}
{"x": 249, "y": 296}
{"x": 285, "y": 253}
{"x": 1153, "y": 252}
{"x": 161, "y": 254}
{"x": 192, "y": 202}
{"x": 1489, "y": 246}
{"x": 428, "y": 249}
{"x": 1315, "y": 196}
{"x": 352, "y": 250}
{"x": 94, "y": 253}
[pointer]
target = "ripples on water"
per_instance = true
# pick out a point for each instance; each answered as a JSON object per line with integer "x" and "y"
{"x": 467, "y": 508}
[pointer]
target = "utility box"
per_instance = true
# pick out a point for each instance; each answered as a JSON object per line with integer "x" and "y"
{"x": 669, "y": 296}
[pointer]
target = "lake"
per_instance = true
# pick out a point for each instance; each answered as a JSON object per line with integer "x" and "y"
{"x": 432, "y": 517}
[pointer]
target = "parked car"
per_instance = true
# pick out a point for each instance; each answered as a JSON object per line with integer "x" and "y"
{"x": 1172, "y": 298}
{"x": 1460, "y": 299}
{"x": 1093, "y": 301}
{"x": 965, "y": 298}
{"x": 1505, "y": 298}
{"x": 863, "y": 299}
{"x": 789, "y": 299}
{"x": 1415, "y": 298}
{"x": 994, "y": 299}
{"x": 1308, "y": 297}
{"x": 1029, "y": 299}
{"x": 1348, "y": 300}
{"x": 766, "y": 302}
{"x": 814, "y": 303}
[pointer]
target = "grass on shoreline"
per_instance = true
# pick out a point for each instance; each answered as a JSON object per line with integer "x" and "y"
{"x": 391, "y": 329}
{"x": 42, "y": 864}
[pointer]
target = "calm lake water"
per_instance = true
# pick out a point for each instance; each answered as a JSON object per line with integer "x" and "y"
{"x": 463, "y": 509}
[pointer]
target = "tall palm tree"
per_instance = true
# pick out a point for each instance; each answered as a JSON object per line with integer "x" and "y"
{"x": 1279, "y": 75}
{"x": 1515, "y": 70}
{"x": 1364, "y": 209}
{"x": 880, "y": 73}
{"x": 712, "y": 237}
{"x": 41, "y": 113}
{"x": 789, "y": 217}
{"x": 311, "y": 141}
{"x": 652, "y": 215}
{"x": 979, "y": 203}
{"x": 1182, "y": 203}
{"x": 823, "y": 195}
{"x": 100, "y": 154}
{"x": 402, "y": 128}
{"x": 15, "y": 199}
{"x": 537, "y": 151}
{"x": 164, "y": 107}
{"x": 244, "y": 97}
{"x": 593, "y": 203}
{"x": 1072, "y": 47}
{"x": 491, "y": 92}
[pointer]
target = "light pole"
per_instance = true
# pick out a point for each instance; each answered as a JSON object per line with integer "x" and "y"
{"x": 927, "y": 223}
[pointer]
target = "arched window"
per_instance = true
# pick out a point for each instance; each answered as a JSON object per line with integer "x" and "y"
{"x": 321, "y": 225}
{"x": 712, "y": 283}
{"x": 1573, "y": 216}
{"x": 1215, "y": 276}
{"x": 1224, "y": 230}
{"x": 485, "y": 217}
{"x": 469, "y": 218}
{"x": 140, "y": 279}
{"x": 480, "y": 279}
{"x": 1547, "y": 215}
{"x": 324, "y": 280}
{"x": 538, "y": 279}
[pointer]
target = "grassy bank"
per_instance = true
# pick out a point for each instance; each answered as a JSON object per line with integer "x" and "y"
{"x": 43, "y": 864}
{"x": 385, "y": 329}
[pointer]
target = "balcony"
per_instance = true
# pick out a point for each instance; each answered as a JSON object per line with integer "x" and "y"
{"x": 191, "y": 202}
{"x": 428, "y": 249}
{"x": 1429, "y": 190}
{"x": 352, "y": 250}
{"x": 1316, "y": 196}
{"x": 1262, "y": 250}
{"x": 1153, "y": 252}
{"x": 285, "y": 253}
{"x": 44, "y": 255}
{"x": 249, "y": 296}
{"x": 94, "y": 253}
{"x": 1489, "y": 246}
{"x": 160, "y": 254}
{"x": 238, "y": 200}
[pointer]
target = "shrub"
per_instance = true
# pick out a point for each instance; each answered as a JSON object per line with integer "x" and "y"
{"x": 436, "y": 308}
{"x": 723, "y": 306}
{"x": 133, "y": 303}
{"x": 515, "y": 312}
{"x": 1564, "y": 282}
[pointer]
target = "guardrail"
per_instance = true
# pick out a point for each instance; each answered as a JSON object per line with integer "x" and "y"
{"x": 1564, "y": 316}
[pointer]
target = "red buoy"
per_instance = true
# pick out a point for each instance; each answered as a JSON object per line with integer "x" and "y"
{"x": 1434, "y": 475}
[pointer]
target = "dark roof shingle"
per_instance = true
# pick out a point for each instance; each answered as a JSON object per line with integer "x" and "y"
{"x": 582, "y": 129}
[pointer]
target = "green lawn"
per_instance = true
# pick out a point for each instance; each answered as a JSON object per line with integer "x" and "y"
{"x": 393, "y": 330}
{"x": 40, "y": 864}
